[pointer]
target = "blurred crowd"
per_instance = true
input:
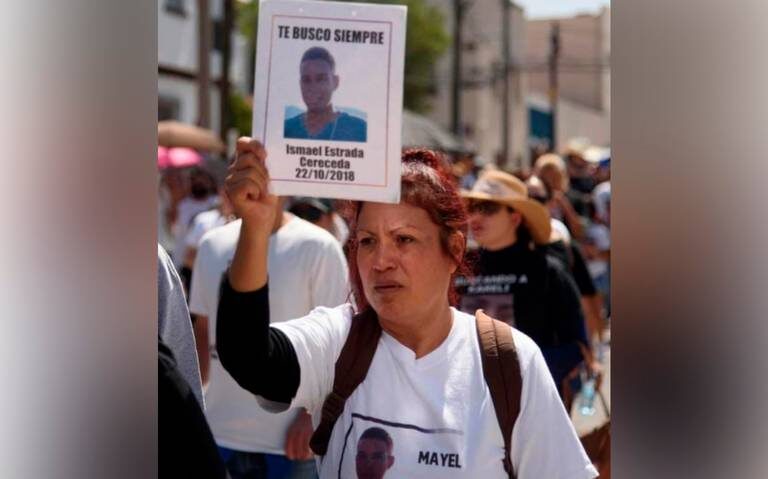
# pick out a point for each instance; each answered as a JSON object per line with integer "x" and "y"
{"x": 575, "y": 187}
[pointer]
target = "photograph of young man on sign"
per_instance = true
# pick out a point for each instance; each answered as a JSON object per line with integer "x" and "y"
{"x": 318, "y": 81}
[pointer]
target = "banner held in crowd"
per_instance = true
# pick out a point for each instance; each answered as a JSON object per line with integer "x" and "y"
{"x": 328, "y": 98}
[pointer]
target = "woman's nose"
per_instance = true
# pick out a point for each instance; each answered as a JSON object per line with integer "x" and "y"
{"x": 384, "y": 257}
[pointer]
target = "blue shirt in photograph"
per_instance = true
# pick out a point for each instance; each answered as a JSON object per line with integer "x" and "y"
{"x": 345, "y": 128}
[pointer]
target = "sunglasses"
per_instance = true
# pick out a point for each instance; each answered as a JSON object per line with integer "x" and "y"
{"x": 485, "y": 208}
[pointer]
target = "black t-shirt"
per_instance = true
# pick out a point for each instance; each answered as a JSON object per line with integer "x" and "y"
{"x": 532, "y": 292}
{"x": 572, "y": 260}
{"x": 185, "y": 445}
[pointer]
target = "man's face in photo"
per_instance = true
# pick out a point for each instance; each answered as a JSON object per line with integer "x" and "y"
{"x": 373, "y": 459}
{"x": 318, "y": 82}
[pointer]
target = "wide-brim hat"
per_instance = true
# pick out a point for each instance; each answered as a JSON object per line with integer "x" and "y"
{"x": 500, "y": 187}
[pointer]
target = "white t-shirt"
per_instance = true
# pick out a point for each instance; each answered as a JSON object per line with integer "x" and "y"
{"x": 600, "y": 236}
{"x": 560, "y": 227}
{"x": 602, "y": 197}
{"x": 307, "y": 268}
{"x": 437, "y": 409}
{"x": 203, "y": 223}
{"x": 187, "y": 209}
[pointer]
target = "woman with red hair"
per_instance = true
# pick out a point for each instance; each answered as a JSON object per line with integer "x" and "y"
{"x": 425, "y": 385}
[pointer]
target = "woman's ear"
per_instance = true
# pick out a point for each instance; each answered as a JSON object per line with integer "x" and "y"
{"x": 517, "y": 219}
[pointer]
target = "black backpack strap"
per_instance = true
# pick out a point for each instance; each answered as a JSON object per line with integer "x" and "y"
{"x": 351, "y": 368}
{"x": 501, "y": 369}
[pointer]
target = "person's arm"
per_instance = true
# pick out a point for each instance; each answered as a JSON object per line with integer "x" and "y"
{"x": 261, "y": 359}
{"x": 186, "y": 447}
{"x": 298, "y": 436}
{"x": 591, "y": 303}
{"x": 200, "y": 328}
{"x": 173, "y": 321}
{"x": 570, "y": 216}
{"x": 247, "y": 187}
{"x": 568, "y": 319}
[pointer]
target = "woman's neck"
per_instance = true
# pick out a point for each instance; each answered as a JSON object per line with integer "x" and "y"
{"x": 421, "y": 335}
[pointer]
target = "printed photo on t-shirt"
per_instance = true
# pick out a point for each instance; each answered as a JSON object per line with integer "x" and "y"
{"x": 498, "y": 306}
{"x": 494, "y": 294}
{"x": 374, "y": 454}
{"x": 376, "y": 448}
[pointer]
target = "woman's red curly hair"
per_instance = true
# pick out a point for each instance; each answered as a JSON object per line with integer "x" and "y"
{"x": 427, "y": 184}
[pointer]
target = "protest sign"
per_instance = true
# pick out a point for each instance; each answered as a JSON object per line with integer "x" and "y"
{"x": 328, "y": 98}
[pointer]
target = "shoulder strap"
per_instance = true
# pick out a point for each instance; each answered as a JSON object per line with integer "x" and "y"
{"x": 351, "y": 368}
{"x": 501, "y": 369}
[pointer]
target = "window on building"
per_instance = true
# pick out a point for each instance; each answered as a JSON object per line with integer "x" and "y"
{"x": 218, "y": 35}
{"x": 167, "y": 108}
{"x": 177, "y": 7}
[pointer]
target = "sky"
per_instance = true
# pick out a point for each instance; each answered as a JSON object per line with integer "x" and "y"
{"x": 559, "y": 8}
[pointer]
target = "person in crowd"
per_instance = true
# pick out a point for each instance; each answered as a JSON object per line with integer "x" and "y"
{"x": 599, "y": 233}
{"x": 538, "y": 191}
{"x": 318, "y": 80}
{"x": 374, "y": 454}
{"x": 597, "y": 249}
{"x": 403, "y": 259}
{"x": 173, "y": 187}
{"x": 173, "y": 323}
{"x": 185, "y": 446}
{"x": 601, "y": 195}
{"x": 517, "y": 281}
{"x": 464, "y": 169}
{"x": 202, "y": 197}
{"x": 203, "y": 222}
{"x": 310, "y": 265}
{"x": 572, "y": 259}
{"x": 580, "y": 168}
{"x": 550, "y": 168}
{"x": 320, "y": 212}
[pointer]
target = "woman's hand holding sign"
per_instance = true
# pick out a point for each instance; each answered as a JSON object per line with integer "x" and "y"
{"x": 247, "y": 187}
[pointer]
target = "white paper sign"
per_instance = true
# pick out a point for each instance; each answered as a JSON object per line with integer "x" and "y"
{"x": 328, "y": 98}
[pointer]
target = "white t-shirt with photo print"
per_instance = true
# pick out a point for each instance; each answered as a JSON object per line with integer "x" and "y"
{"x": 436, "y": 410}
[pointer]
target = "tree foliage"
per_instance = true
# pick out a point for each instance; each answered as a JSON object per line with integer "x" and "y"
{"x": 425, "y": 41}
{"x": 241, "y": 114}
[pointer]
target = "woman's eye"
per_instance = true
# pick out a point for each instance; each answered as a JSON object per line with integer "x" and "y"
{"x": 365, "y": 241}
{"x": 405, "y": 239}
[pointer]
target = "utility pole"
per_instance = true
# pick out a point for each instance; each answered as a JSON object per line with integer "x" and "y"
{"x": 505, "y": 48}
{"x": 554, "y": 56}
{"x": 226, "y": 55}
{"x": 203, "y": 64}
{"x": 458, "y": 18}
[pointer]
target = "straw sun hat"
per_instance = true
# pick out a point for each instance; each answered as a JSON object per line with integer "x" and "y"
{"x": 506, "y": 189}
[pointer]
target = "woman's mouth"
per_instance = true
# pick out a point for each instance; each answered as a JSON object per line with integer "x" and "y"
{"x": 387, "y": 287}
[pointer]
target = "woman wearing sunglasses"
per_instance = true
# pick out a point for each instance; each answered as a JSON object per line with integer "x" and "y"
{"x": 516, "y": 282}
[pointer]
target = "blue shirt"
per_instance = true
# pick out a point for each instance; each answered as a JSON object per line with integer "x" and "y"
{"x": 345, "y": 128}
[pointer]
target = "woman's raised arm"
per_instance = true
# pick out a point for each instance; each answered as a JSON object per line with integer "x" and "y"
{"x": 261, "y": 359}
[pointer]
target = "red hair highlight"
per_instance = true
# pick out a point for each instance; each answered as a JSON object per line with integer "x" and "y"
{"x": 426, "y": 183}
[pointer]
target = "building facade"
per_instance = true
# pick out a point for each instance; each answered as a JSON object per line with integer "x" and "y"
{"x": 178, "y": 61}
{"x": 482, "y": 80}
{"x": 583, "y": 76}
